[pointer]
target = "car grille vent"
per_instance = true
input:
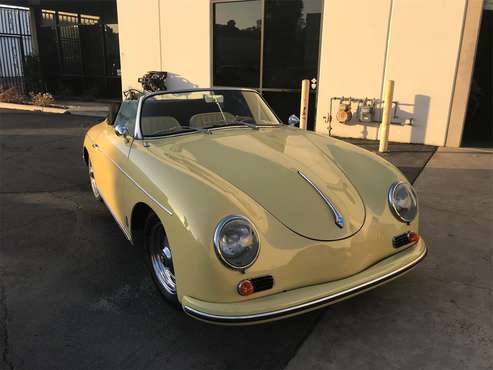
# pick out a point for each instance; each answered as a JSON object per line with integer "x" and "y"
{"x": 262, "y": 283}
{"x": 400, "y": 240}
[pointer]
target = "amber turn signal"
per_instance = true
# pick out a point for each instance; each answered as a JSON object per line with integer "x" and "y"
{"x": 413, "y": 237}
{"x": 245, "y": 287}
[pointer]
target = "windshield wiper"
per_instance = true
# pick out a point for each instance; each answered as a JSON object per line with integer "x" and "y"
{"x": 171, "y": 130}
{"x": 222, "y": 123}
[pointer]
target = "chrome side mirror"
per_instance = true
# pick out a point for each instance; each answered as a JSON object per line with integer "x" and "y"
{"x": 121, "y": 130}
{"x": 293, "y": 120}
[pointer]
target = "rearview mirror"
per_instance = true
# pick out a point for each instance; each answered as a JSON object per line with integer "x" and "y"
{"x": 214, "y": 98}
{"x": 293, "y": 120}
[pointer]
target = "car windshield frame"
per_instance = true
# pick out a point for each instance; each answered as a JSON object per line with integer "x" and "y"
{"x": 188, "y": 130}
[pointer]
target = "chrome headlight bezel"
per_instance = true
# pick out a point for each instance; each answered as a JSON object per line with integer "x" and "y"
{"x": 391, "y": 199}
{"x": 217, "y": 237}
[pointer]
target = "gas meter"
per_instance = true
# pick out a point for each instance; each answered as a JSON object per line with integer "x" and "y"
{"x": 366, "y": 111}
{"x": 344, "y": 113}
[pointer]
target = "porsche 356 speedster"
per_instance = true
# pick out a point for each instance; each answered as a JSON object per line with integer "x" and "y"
{"x": 245, "y": 219}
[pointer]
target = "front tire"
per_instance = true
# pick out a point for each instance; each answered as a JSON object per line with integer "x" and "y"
{"x": 160, "y": 259}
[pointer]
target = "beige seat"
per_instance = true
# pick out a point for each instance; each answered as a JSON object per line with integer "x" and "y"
{"x": 206, "y": 119}
{"x": 154, "y": 124}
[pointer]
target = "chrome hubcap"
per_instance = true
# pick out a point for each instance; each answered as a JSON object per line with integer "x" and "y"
{"x": 162, "y": 262}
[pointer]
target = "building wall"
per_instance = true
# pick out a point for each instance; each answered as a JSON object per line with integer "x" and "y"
{"x": 186, "y": 43}
{"x": 414, "y": 42}
{"x": 140, "y": 49}
{"x": 171, "y": 36}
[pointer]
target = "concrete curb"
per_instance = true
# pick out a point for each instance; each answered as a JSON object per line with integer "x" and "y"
{"x": 32, "y": 108}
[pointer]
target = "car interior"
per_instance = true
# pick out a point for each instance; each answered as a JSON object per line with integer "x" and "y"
{"x": 158, "y": 116}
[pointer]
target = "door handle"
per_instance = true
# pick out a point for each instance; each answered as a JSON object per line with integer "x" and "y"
{"x": 95, "y": 145}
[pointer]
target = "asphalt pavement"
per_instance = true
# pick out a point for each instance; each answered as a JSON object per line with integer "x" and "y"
{"x": 75, "y": 294}
{"x": 440, "y": 315}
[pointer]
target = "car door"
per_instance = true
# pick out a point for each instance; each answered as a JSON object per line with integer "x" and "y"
{"x": 114, "y": 148}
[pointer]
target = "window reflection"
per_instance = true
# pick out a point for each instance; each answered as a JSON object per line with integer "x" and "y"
{"x": 291, "y": 42}
{"x": 237, "y": 27}
{"x": 79, "y": 52}
{"x": 287, "y": 103}
{"x": 291, "y": 37}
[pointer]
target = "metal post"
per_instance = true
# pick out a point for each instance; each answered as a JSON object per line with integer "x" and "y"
{"x": 23, "y": 55}
{"x": 387, "y": 110}
{"x": 305, "y": 94}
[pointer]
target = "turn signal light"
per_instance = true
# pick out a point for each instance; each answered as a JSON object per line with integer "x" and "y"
{"x": 413, "y": 237}
{"x": 245, "y": 287}
{"x": 405, "y": 239}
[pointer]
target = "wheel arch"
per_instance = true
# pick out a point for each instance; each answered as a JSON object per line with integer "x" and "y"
{"x": 85, "y": 156}
{"x": 138, "y": 217}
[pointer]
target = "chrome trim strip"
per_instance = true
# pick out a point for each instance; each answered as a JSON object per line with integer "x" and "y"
{"x": 338, "y": 219}
{"x": 136, "y": 183}
{"x": 137, "y": 131}
{"x": 212, "y": 129}
{"x": 304, "y": 306}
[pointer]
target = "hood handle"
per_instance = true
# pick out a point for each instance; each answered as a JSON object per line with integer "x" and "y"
{"x": 338, "y": 219}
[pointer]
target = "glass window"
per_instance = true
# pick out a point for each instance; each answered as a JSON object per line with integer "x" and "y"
{"x": 112, "y": 49}
{"x": 287, "y": 103}
{"x": 126, "y": 115}
{"x": 169, "y": 113}
{"x": 237, "y": 28}
{"x": 291, "y": 42}
{"x": 47, "y": 17}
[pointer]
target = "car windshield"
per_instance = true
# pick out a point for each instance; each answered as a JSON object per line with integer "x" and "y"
{"x": 201, "y": 110}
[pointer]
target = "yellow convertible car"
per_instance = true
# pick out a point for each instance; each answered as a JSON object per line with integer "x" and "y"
{"x": 245, "y": 219}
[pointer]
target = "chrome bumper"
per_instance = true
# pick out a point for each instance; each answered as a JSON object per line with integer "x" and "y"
{"x": 306, "y": 306}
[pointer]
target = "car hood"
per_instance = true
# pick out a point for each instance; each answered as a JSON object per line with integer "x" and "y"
{"x": 265, "y": 165}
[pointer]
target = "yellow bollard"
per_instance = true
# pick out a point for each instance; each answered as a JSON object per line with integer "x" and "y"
{"x": 305, "y": 94}
{"x": 387, "y": 109}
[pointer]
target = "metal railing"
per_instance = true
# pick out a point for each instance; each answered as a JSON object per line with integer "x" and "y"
{"x": 16, "y": 47}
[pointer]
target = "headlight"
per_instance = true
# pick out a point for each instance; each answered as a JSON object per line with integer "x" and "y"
{"x": 403, "y": 201}
{"x": 236, "y": 242}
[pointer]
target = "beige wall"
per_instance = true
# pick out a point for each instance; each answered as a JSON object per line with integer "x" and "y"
{"x": 352, "y": 58}
{"x": 165, "y": 35}
{"x": 138, "y": 25}
{"x": 414, "y": 42}
{"x": 419, "y": 51}
{"x": 186, "y": 42}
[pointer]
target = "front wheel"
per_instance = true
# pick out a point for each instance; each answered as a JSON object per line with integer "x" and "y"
{"x": 160, "y": 259}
